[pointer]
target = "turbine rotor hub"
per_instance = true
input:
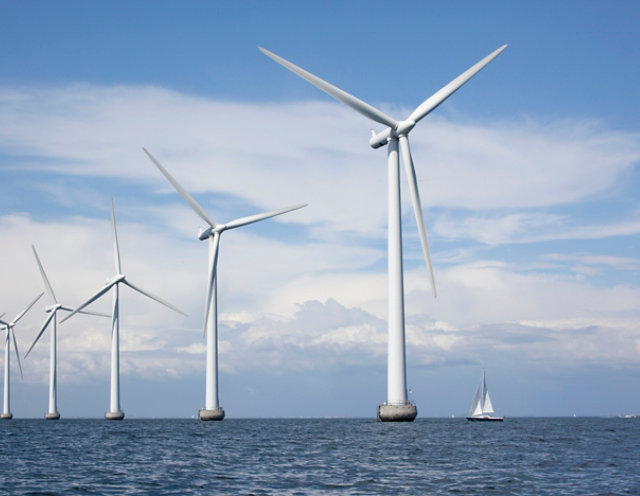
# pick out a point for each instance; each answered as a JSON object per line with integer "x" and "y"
{"x": 403, "y": 128}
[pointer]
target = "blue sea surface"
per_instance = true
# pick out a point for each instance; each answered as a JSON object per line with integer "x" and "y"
{"x": 521, "y": 456}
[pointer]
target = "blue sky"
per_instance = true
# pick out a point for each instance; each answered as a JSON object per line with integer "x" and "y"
{"x": 528, "y": 175}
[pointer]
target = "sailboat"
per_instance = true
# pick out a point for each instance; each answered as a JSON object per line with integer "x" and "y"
{"x": 481, "y": 407}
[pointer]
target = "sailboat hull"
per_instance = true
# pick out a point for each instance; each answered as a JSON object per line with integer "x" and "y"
{"x": 485, "y": 419}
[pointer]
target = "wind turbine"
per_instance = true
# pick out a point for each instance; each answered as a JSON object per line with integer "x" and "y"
{"x": 11, "y": 336}
{"x": 115, "y": 413}
{"x": 212, "y": 409}
{"x": 397, "y": 407}
{"x": 52, "y": 310}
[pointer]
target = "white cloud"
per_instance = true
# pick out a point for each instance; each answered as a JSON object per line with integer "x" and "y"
{"x": 275, "y": 154}
{"x": 308, "y": 289}
{"x": 493, "y": 229}
{"x": 493, "y": 292}
{"x": 520, "y": 164}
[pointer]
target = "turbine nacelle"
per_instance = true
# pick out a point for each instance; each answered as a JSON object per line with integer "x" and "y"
{"x": 205, "y": 233}
{"x": 210, "y": 231}
{"x": 403, "y": 128}
{"x": 52, "y": 308}
{"x": 114, "y": 280}
{"x": 381, "y": 139}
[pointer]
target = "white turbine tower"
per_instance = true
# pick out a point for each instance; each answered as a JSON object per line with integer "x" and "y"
{"x": 52, "y": 310}
{"x": 11, "y": 336}
{"x": 397, "y": 407}
{"x": 212, "y": 409}
{"x": 115, "y": 413}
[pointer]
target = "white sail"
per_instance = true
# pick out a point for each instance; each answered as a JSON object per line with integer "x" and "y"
{"x": 487, "y": 407}
{"x": 476, "y": 404}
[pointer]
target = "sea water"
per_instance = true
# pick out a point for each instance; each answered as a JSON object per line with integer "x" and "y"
{"x": 520, "y": 456}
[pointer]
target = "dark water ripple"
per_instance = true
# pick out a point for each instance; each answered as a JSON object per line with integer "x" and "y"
{"x": 590, "y": 456}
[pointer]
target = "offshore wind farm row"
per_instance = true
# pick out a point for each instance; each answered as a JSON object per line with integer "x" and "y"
{"x": 398, "y": 406}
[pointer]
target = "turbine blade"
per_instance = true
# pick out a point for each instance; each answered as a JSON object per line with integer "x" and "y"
{"x": 417, "y": 207}
{"x": 21, "y": 314}
{"x": 115, "y": 311}
{"x": 213, "y": 268}
{"x": 116, "y": 250}
{"x": 153, "y": 297}
{"x": 84, "y": 312}
{"x": 340, "y": 95}
{"x": 15, "y": 348}
{"x": 97, "y": 314}
{"x": 44, "y": 326}
{"x": 89, "y": 301}
{"x": 183, "y": 192}
{"x": 445, "y": 92}
{"x": 258, "y": 217}
{"x": 47, "y": 285}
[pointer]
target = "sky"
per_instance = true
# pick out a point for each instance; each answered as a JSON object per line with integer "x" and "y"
{"x": 528, "y": 176}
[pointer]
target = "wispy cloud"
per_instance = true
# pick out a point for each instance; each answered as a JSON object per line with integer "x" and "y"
{"x": 321, "y": 148}
{"x": 520, "y": 228}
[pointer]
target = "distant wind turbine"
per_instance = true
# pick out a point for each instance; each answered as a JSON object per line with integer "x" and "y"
{"x": 397, "y": 407}
{"x": 11, "y": 336}
{"x": 212, "y": 409}
{"x": 115, "y": 413}
{"x": 52, "y": 310}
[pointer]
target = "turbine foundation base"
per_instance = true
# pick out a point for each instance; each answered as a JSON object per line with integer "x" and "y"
{"x": 397, "y": 413}
{"x": 114, "y": 415}
{"x": 215, "y": 414}
{"x": 6, "y": 416}
{"x": 51, "y": 416}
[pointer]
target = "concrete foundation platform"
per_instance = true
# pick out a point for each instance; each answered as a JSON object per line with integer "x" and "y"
{"x": 114, "y": 415}
{"x": 217, "y": 414}
{"x": 51, "y": 416}
{"x": 6, "y": 416}
{"x": 397, "y": 413}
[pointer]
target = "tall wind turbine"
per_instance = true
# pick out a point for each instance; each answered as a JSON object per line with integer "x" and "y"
{"x": 397, "y": 407}
{"x": 115, "y": 413}
{"x": 11, "y": 336}
{"x": 52, "y": 310}
{"x": 212, "y": 409}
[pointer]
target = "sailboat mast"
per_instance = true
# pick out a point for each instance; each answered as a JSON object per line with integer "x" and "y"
{"x": 484, "y": 391}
